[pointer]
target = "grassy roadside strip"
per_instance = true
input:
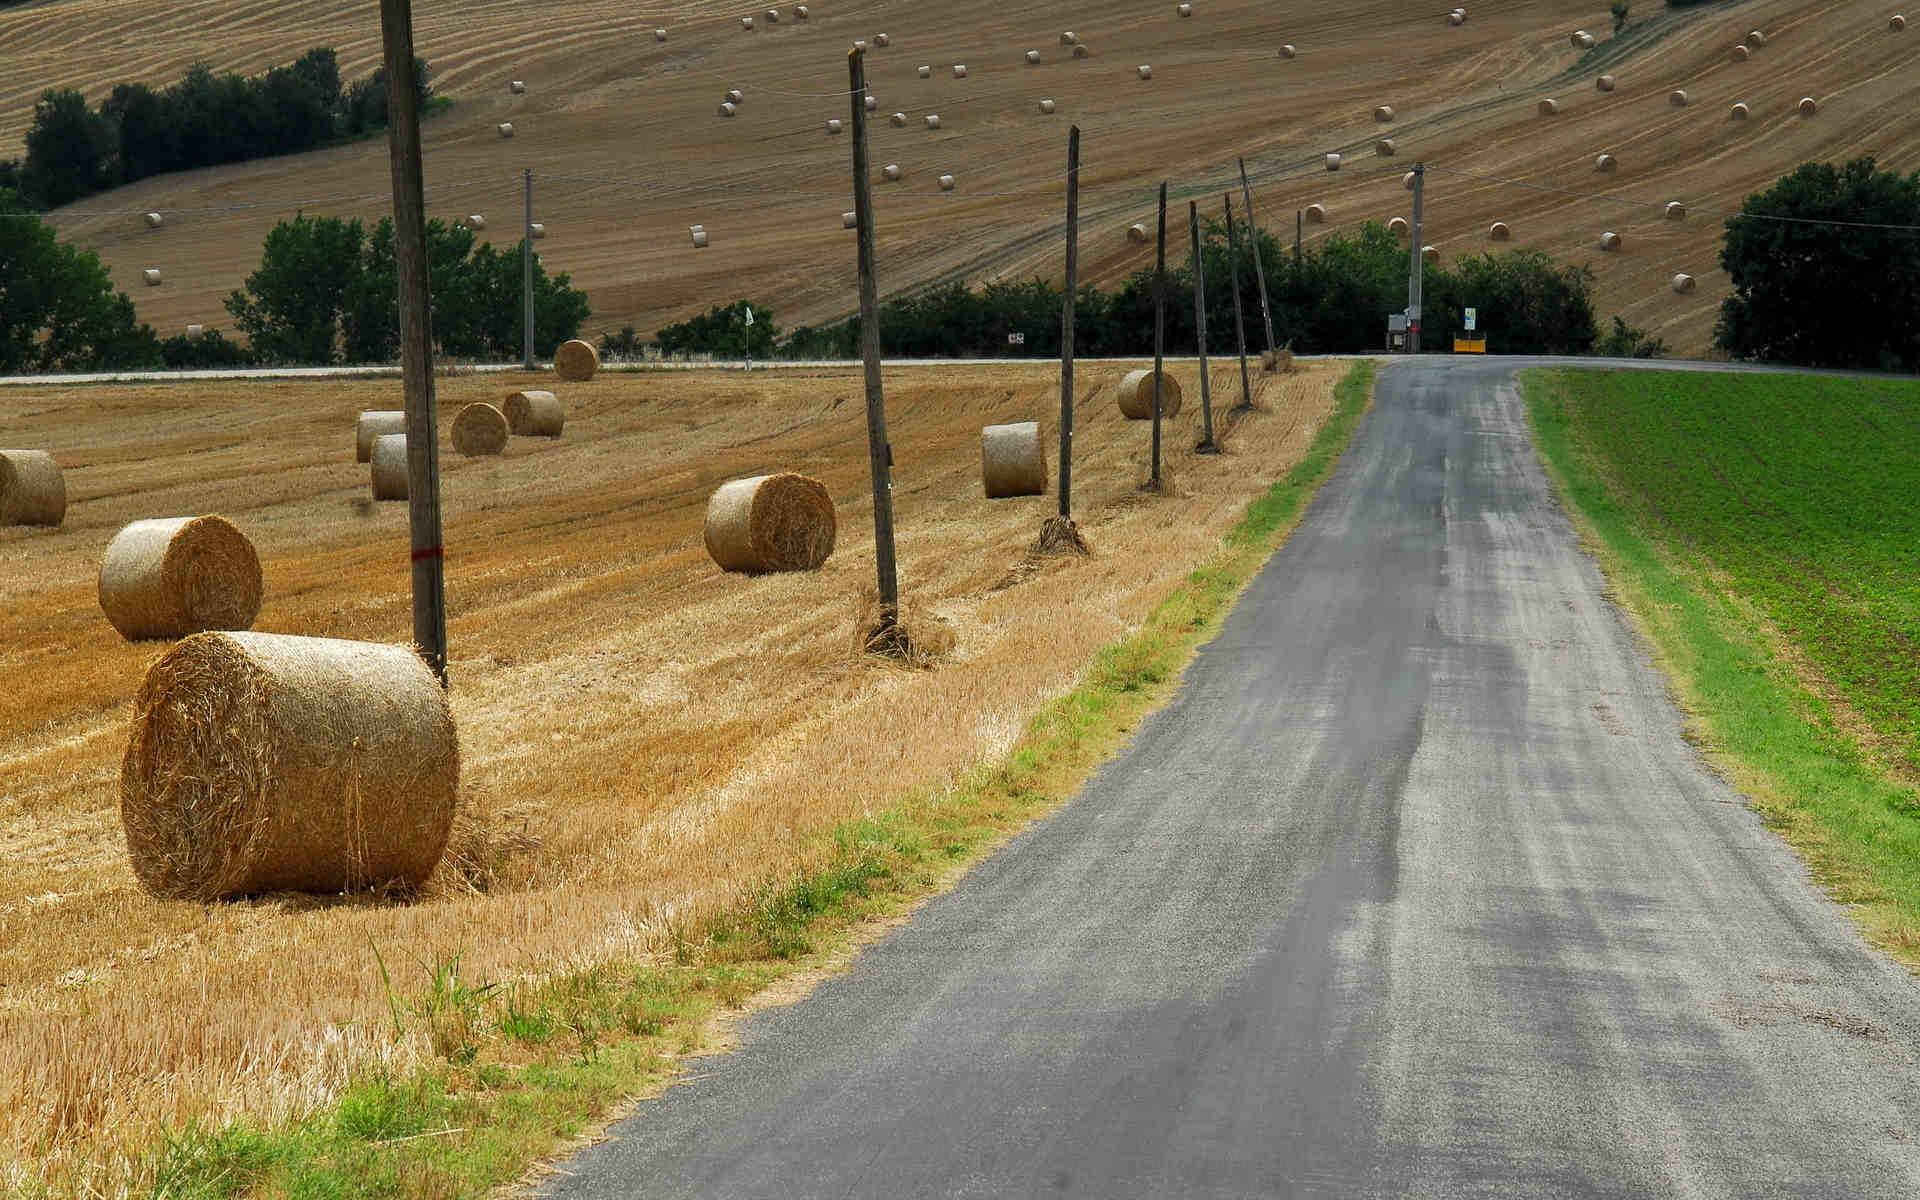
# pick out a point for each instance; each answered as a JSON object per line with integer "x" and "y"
{"x": 521, "y": 1070}
{"x": 1773, "y": 738}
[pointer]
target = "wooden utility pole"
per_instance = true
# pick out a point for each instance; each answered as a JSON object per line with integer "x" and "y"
{"x": 1299, "y": 231}
{"x": 1066, "y": 323}
{"x": 879, "y": 452}
{"x": 1416, "y": 283}
{"x": 526, "y": 279}
{"x": 1206, "y": 445}
{"x": 1259, "y": 264}
{"x": 1159, "y": 332}
{"x": 1239, "y": 317}
{"x": 416, "y": 337}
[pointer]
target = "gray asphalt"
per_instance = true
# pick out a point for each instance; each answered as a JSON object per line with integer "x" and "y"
{"x": 1414, "y": 890}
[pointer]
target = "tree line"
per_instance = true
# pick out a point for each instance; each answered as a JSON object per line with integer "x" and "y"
{"x": 75, "y": 151}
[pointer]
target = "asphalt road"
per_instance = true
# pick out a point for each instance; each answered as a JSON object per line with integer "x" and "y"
{"x": 1414, "y": 891}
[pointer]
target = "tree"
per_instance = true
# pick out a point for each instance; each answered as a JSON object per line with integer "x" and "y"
{"x": 58, "y": 307}
{"x": 1622, "y": 13}
{"x": 723, "y": 331}
{"x": 1629, "y": 341}
{"x": 1814, "y": 282}
{"x": 70, "y": 151}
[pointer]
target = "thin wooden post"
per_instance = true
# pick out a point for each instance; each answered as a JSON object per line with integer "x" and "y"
{"x": 526, "y": 279}
{"x": 1067, "y": 322}
{"x": 1239, "y": 317}
{"x": 1299, "y": 231}
{"x": 879, "y": 452}
{"x": 1206, "y": 445}
{"x": 416, "y": 337}
{"x": 1159, "y": 331}
{"x": 1259, "y": 265}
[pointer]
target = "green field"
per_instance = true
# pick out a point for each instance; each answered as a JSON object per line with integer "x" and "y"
{"x": 1765, "y": 532}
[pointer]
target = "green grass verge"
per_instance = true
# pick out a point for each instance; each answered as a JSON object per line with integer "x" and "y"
{"x": 519, "y": 1071}
{"x": 1760, "y": 530}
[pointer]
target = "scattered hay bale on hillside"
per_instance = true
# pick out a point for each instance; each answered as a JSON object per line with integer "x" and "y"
{"x": 1676, "y": 211}
{"x": 168, "y": 577}
{"x": 773, "y": 16}
{"x": 892, "y": 173}
{"x": 1739, "y": 112}
{"x": 933, "y": 120}
{"x": 925, "y": 71}
{"x": 1679, "y": 98}
{"x": 1145, "y": 70}
{"x": 898, "y": 120}
{"x": 1136, "y": 395}
{"x": 1604, "y": 83}
{"x": 1808, "y": 106}
{"x": 1756, "y": 39}
{"x": 1398, "y": 227}
{"x": 1013, "y": 460}
{"x": 727, "y": 108}
{"x": 959, "y": 70}
{"x": 946, "y": 183}
{"x": 873, "y": 104}
{"x": 194, "y": 331}
{"x": 476, "y": 221}
{"x": 535, "y": 413}
{"x": 389, "y": 476}
{"x": 801, "y": 12}
{"x": 1048, "y": 107}
{"x": 1082, "y": 50}
{"x": 736, "y": 95}
{"x": 1185, "y": 10}
{"x": 260, "y": 762}
{"x": 151, "y": 276}
{"x": 1289, "y": 51}
{"x": 1408, "y": 180}
{"x": 372, "y": 425}
{"x": 1741, "y": 54}
{"x": 480, "y": 430}
{"x": 1683, "y": 283}
{"x": 1430, "y": 254}
{"x": 1549, "y": 107}
{"x": 1897, "y": 23}
{"x": 1610, "y": 242}
{"x": 1500, "y": 231}
{"x": 834, "y": 126}
{"x": 1606, "y": 164}
{"x": 780, "y": 522}
{"x": 1457, "y": 17}
{"x": 577, "y": 361}
{"x": 505, "y": 129}
{"x": 1581, "y": 39}
{"x": 1383, "y": 113}
{"x": 1386, "y": 147}
{"x": 1033, "y": 58}
{"x": 538, "y": 229}
{"x": 153, "y": 220}
{"x": 1138, "y": 233}
{"x": 659, "y": 35}
{"x": 1315, "y": 214}
{"x": 882, "y": 40}
{"x": 32, "y": 489}
{"x": 849, "y": 220}
{"x": 1333, "y": 162}
{"x": 1068, "y": 37}
{"x": 746, "y": 23}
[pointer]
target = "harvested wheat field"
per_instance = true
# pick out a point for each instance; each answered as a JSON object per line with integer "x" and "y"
{"x": 628, "y": 152}
{"x": 643, "y": 736}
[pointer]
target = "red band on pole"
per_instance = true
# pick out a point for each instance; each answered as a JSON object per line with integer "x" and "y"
{"x": 429, "y": 552}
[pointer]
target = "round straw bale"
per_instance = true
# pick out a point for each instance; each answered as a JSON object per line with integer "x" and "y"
{"x": 1383, "y": 113}
{"x": 933, "y": 121}
{"x": 260, "y": 762}
{"x": 946, "y": 183}
{"x": 372, "y": 425}
{"x": 1756, "y": 39}
{"x": 153, "y": 220}
{"x": 390, "y": 476}
{"x": 535, "y": 414}
{"x": 1683, "y": 283}
{"x": 1456, "y": 17}
{"x": 882, "y": 40}
{"x": 1739, "y": 112}
{"x": 1333, "y": 162}
{"x": 1604, "y": 83}
{"x": 1610, "y": 241}
{"x": 1500, "y": 231}
{"x": 1289, "y": 51}
{"x": 959, "y": 70}
{"x": 834, "y": 126}
{"x": 1676, "y": 211}
{"x": 152, "y": 276}
{"x": 1549, "y": 107}
{"x": 1430, "y": 254}
{"x": 1398, "y": 226}
{"x": 780, "y": 522}
{"x": 1185, "y": 10}
{"x": 1606, "y": 164}
{"x": 505, "y": 129}
{"x": 736, "y": 95}
{"x": 1408, "y": 180}
{"x": 746, "y": 23}
{"x": 659, "y": 35}
{"x": 539, "y": 230}
{"x": 1741, "y": 54}
{"x": 726, "y": 108}
{"x": 196, "y": 330}
{"x": 1136, "y": 395}
{"x": 1897, "y": 22}
{"x": 700, "y": 239}
{"x": 576, "y": 361}
{"x": 873, "y": 104}
{"x": 480, "y": 430}
{"x": 1582, "y": 40}
{"x": 801, "y": 12}
{"x": 1033, "y": 58}
{"x": 1808, "y": 106}
{"x": 1137, "y": 233}
{"x": 172, "y": 576}
{"x": 1316, "y": 214}
{"x": 898, "y": 120}
{"x": 1386, "y": 148}
{"x": 476, "y": 221}
{"x": 1013, "y": 460}
{"x": 1068, "y": 37}
{"x": 32, "y": 489}
{"x": 773, "y": 16}
{"x": 1082, "y": 50}
{"x": 859, "y": 43}
{"x": 1145, "y": 71}
{"x": 925, "y": 71}
{"x": 1678, "y": 98}
{"x": 1048, "y": 106}
{"x": 892, "y": 173}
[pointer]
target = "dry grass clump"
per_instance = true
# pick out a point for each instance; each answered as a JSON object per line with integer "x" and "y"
{"x": 535, "y": 413}
{"x": 1136, "y": 395}
{"x": 259, "y": 762}
{"x": 910, "y": 638}
{"x": 480, "y": 430}
{"x": 1060, "y": 535}
{"x": 1013, "y": 460}
{"x": 782, "y": 522}
{"x": 168, "y": 577}
{"x": 32, "y": 489}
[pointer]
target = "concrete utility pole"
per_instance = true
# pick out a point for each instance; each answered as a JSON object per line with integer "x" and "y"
{"x": 526, "y": 279}
{"x": 1066, "y": 323}
{"x": 1259, "y": 263}
{"x": 1159, "y": 332}
{"x": 1239, "y": 315}
{"x": 879, "y": 452}
{"x": 1416, "y": 269}
{"x": 1206, "y": 445}
{"x": 416, "y": 337}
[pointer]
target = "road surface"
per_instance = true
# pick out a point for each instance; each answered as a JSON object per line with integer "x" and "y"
{"x": 1413, "y": 891}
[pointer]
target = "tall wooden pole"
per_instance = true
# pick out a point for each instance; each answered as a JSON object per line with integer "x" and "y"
{"x": 879, "y": 452}
{"x": 526, "y": 279}
{"x": 1416, "y": 283}
{"x": 1299, "y": 232}
{"x": 1259, "y": 263}
{"x": 1206, "y": 445}
{"x": 1159, "y": 331}
{"x": 1067, "y": 321}
{"x": 416, "y": 337}
{"x": 1239, "y": 317}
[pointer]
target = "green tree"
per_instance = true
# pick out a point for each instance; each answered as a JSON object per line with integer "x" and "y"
{"x": 722, "y": 331}
{"x": 1622, "y": 12}
{"x": 1630, "y": 341}
{"x": 71, "y": 151}
{"x": 292, "y": 305}
{"x": 1825, "y": 267}
{"x": 58, "y": 307}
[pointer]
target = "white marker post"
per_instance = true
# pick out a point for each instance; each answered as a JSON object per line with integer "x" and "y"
{"x": 749, "y": 339}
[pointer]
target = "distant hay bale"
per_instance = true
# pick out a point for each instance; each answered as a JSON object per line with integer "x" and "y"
{"x": 925, "y": 71}
{"x": 898, "y": 120}
{"x": 518, "y": 87}
{"x": 1676, "y": 211}
{"x": 1741, "y": 54}
{"x": 726, "y": 108}
{"x": 773, "y": 16}
{"x": 1500, "y": 231}
{"x": 1457, "y": 17}
{"x": 849, "y": 220}
{"x": 195, "y": 330}
{"x": 1383, "y": 113}
{"x": 1581, "y": 39}
{"x": 872, "y": 104}
{"x": 746, "y": 23}
{"x": 1386, "y": 148}
{"x": 534, "y": 413}
{"x": 1082, "y": 50}
{"x": 959, "y": 70}
{"x": 1756, "y": 39}
{"x": 1808, "y": 106}
{"x": 1549, "y": 107}
{"x": 476, "y": 221}
{"x": 1333, "y": 162}
{"x": 933, "y": 121}
{"x": 32, "y": 489}
{"x": 1683, "y": 283}
{"x": 1408, "y": 180}
{"x": 539, "y": 229}
{"x": 736, "y": 95}
{"x": 1138, "y": 233}
{"x": 1068, "y": 37}
{"x": 782, "y": 522}
{"x": 1316, "y": 214}
{"x": 699, "y": 235}
{"x": 1033, "y": 58}
{"x": 153, "y": 220}
{"x": 859, "y": 43}
{"x": 172, "y": 576}
{"x": 260, "y": 762}
{"x": 1136, "y": 395}
{"x": 480, "y": 430}
{"x": 1289, "y": 51}
{"x": 1013, "y": 460}
{"x": 834, "y": 126}
{"x": 151, "y": 276}
{"x": 1679, "y": 98}
{"x": 1430, "y": 254}
{"x": 1610, "y": 241}
{"x": 1398, "y": 226}
{"x": 1185, "y": 10}
{"x": 801, "y": 12}
{"x": 882, "y": 40}
{"x": 1606, "y": 164}
{"x": 946, "y": 183}
{"x": 1048, "y": 106}
{"x": 1739, "y": 112}
{"x": 1897, "y": 23}
{"x": 659, "y": 35}
{"x": 389, "y": 468}
{"x": 892, "y": 173}
{"x": 1145, "y": 70}
{"x": 576, "y": 361}
{"x": 1604, "y": 83}
{"x": 372, "y": 425}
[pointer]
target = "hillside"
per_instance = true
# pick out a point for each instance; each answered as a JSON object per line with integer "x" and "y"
{"x": 624, "y": 136}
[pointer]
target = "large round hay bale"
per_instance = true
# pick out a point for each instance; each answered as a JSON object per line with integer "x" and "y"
{"x": 1897, "y": 22}
{"x": 1383, "y": 113}
{"x": 1430, "y": 254}
{"x": 576, "y": 361}
{"x": 1604, "y": 83}
{"x": 1756, "y": 39}
{"x": 1581, "y": 39}
{"x": 1606, "y": 164}
{"x": 780, "y": 522}
{"x": 1316, "y": 214}
{"x": 1136, "y": 395}
{"x": 1808, "y": 106}
{"x": 1500, "y": 231}
{"x": 32, "y": 489}
{"x": 1386, "y": 148}
{"x": 1739, "y": 112}
{"x": 172, "y": 576}
{"x": 1138, "y": 233}
{"x": 390, "y": 477}
{"x": 1676, "y": 211}
{"x": 372, "y": 425}
{"x": 260, "y": 762}
{"x": 1679, "y": 98}
{"x": 1289, "y": 51}
{"x": 535, "y": 414}
{"x": 1333, "y": 162}
{"x": 480, "y": 430}
{"x": 1398, "y": 227}
{"x": 1610, "y": 241}
{"x": 1683, "y": 283}
{"x": 1549, "y": 107}
{"x": 1013, "y": 460}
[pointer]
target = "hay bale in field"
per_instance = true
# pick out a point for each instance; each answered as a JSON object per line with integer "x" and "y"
{"x": 518, "y": 87}
{"x": 1679, "y": 98}
{"x": 1082, "y": 50}
{"x": 1289, "y": 51}
{"x": 1606, "y": 164}
{"x": 1136, "y": 395}
{"x": 1185, "y": 10}
{"x": 389, "y": 474}
{"x": 872, "y": 104}
{"x": 1756, "y": 39}
{"x": 659, "y": 35}
{"x": 1333, "y": 162}
{"x": 1610, "y": 241}
{"x": 959, "y": 70}
{"x": 882, "y": 40}
{"x": 1741, "y": 54}
{"x": 1683, "y": 283}
{"x": 1144, "y": 70}
{"x": 925, "y": 71}
{"x": 1383, "y": 113}
{"x": 536, "y": 414}
{"x": 539, "y": 229}
{"x": 1808, "y": 106}
{"x": 1430, "y": 254}
{"x": 933, "y": 121}
{"x": 736, "y": 95}
{"x": 746, "y": 23}
{"x": 782, "y": 522}
{"x": 1604, "y": 83}
{"x": 1048, "y": 107}
{"x": 1013, "y": 460}
{"x": 726, "y": 108}
{"x": 476, "y": 221}
{"x": 1739, "y": 112}
{"x": 577, "y": 361}
{"x": 260, "y": 762}
{"x": 172, "y": 576}
{"x": 372, "y": 425}
{"x": 32, "y": 489}
{"x": 892, "y": 173}
{"x": 1316, "y": 214}
{"x": 1457, "y": 17}
{"x": 946, "y": 183}
{"x": 1549, "y": 107}
{"x": 1033, "y": 58}
{"x": 1408, "y": 180}
{"x": 153, "y": 220}
{"x": 849, "y": 220}
{"x": 1398, "y": 227}
{"x": 1581, "y": 39}
{"x": 801, "y": 12}
{"x": 898, "y": 120}
{"x": 1386, "y": 148}
{"x": 1897, "y": 23}
{"x": 480, "y": 430}
{"x": 773, "y": 16}
{"x": 505, "y": 129}
{"x": 195, "y": 330}
{"x": 1068, "y": 37}
{"x": 834, "y": 126}
{"x": 1500, "y": 231}
{"x": 1138, "y": 233}
{"x": 1676, "y": 211}
{"x": 151, "y": 276}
